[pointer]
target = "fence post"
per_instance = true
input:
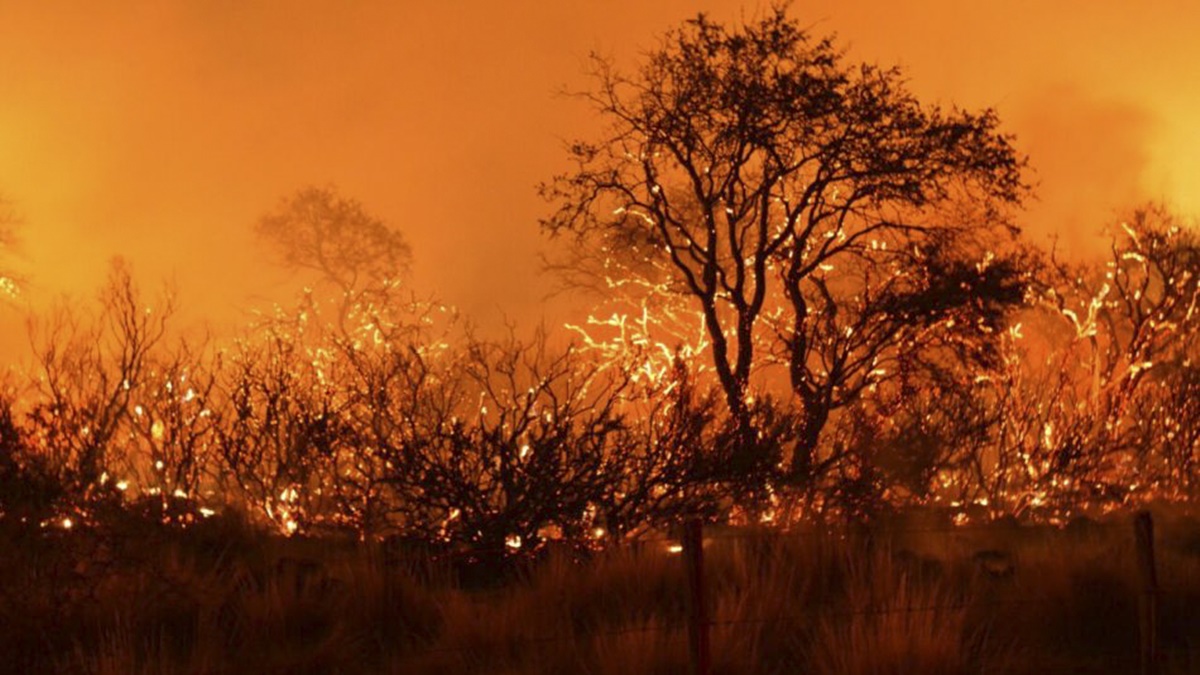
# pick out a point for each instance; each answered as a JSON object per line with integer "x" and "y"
{"x": 1143, "y": 529}
{"x": 693, "y": 553}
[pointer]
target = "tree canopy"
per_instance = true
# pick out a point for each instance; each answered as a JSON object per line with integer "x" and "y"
{"x": 814, "y": 213}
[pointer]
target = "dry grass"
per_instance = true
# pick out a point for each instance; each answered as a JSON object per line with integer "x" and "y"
{"x": 165, "y": 604}
{"x": 890, "y": 623}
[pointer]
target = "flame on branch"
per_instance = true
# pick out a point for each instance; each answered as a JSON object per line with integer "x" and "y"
{"x": 1122, "y": 405}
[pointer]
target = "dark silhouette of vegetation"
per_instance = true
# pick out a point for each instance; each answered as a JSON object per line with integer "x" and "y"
{"x": 10, "y": 279}
{"x": 30, "y": 488}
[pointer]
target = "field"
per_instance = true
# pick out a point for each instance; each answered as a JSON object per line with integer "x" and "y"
{"x": 911, "y": 596}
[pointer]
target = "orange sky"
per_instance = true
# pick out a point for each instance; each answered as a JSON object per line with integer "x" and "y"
{"x": 162, "y": 130}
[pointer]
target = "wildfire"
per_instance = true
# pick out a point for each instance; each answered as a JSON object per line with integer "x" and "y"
{"x": 304, "y": 418}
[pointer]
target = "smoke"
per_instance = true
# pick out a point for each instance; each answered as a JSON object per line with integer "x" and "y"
{"x": 161, "y": 133}
{"x": 1089, "y": 157}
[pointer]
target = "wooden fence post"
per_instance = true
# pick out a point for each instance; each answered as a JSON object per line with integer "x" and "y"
{"x": 1143, "y": 530}
{"x": 693, "y": 553}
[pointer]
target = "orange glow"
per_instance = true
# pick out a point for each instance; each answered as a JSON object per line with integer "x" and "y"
{"x": 162, "y": 132}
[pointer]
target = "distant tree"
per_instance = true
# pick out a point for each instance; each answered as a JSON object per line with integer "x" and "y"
{"x": 318, "y": 230}
{"x": 813, "y": 212}
{"x": 1140, "y": 315}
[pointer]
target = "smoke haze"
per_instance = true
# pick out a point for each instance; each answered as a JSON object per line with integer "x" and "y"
{"x": 161, "y": 132}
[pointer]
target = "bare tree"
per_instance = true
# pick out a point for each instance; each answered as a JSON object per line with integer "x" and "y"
{"x": 1131, "y": 349}
{"x": 1094, "y": 397}
{"x": 281, "y": 429}
{"x": 174, "y": 429}
{"x": 505, "y": 442}
{"x": 90, "y": 369}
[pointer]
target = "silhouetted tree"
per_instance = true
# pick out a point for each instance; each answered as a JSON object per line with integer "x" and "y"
{"x": 318, "y": 230}
{"x": 306, "y": 394}
{"x": 813, "y": 212}
{"x": 357, "y": 259}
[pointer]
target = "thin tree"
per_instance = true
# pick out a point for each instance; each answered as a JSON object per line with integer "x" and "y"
{"x": 89, "y": 371}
